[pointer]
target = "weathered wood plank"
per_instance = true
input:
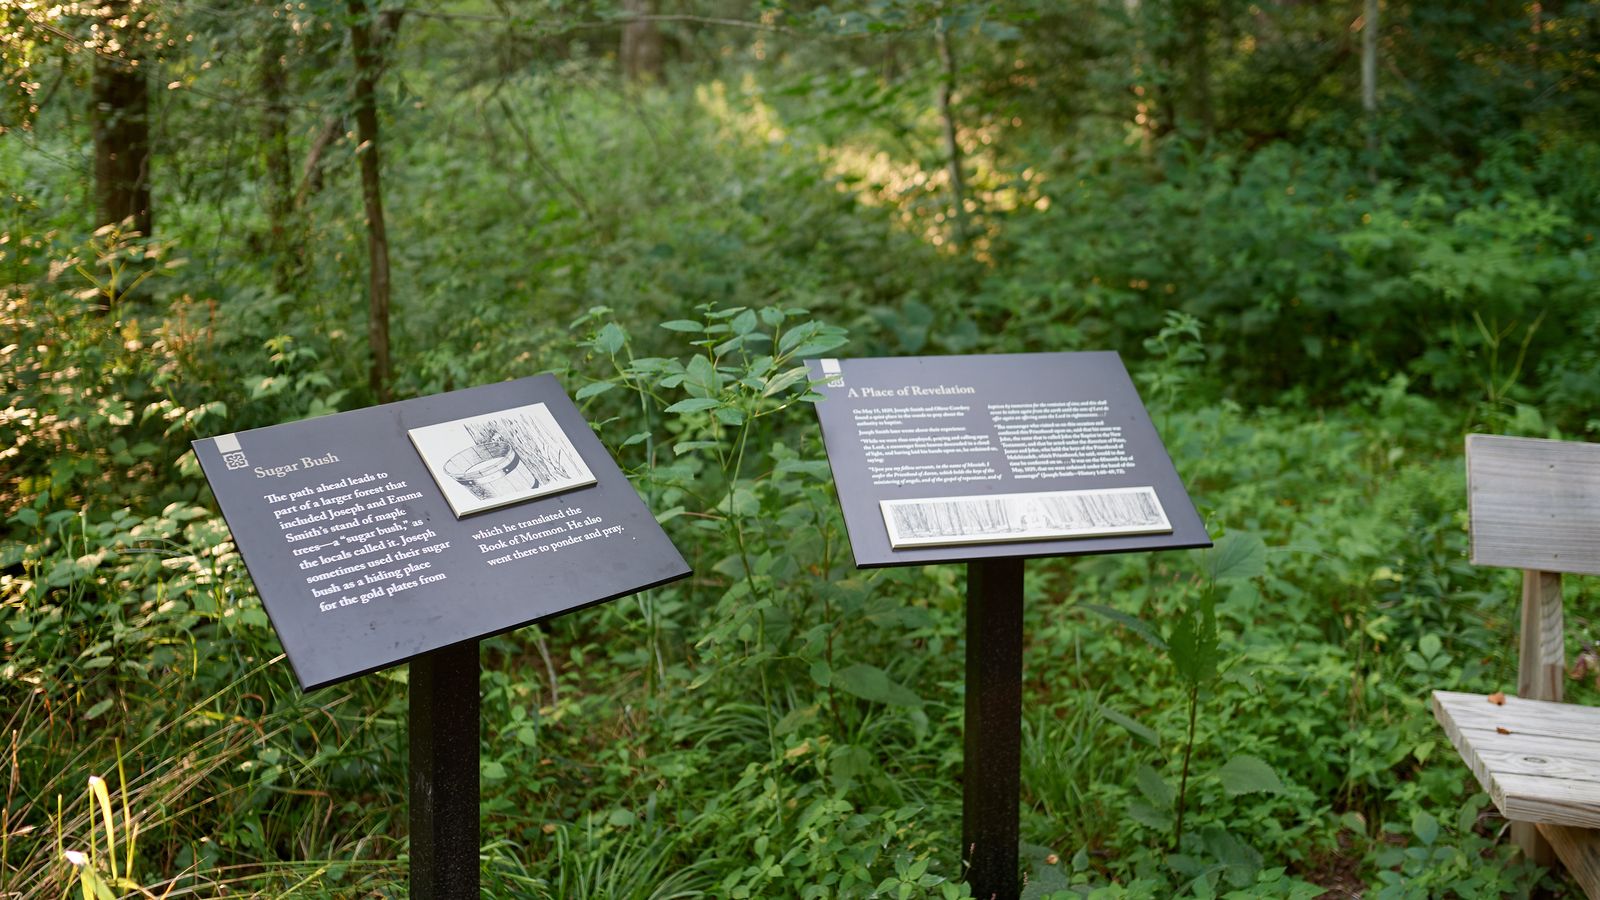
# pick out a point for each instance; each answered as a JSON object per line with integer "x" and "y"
{"x": 1520, "y": 716}
{"x": 1522, "y": 761}
{"x": 1535, "y": 504}
{"x": 1579, "y": 850}
{"x": 1551, "y": 801}
{"x": 1542, "y": 665}
{"x": 1519, "y": 777}
{"x": 1579, "y": 751}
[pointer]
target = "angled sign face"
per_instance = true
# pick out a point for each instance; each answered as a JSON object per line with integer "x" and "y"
{"x": 377, "y": 535}
{"x": 956, "y": 458}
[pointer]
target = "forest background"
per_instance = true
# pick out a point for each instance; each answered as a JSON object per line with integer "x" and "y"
{"x": 1329, "y": 239}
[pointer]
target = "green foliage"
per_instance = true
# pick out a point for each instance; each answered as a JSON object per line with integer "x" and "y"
{"x": 1313, "y": 324}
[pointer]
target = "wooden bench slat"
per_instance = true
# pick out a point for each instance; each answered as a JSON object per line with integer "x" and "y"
{"x": 1547, "y": 770}
{"x": 1530, "y": 761}
{"x": 1547, "y": 801}
{"x": 1532, "y": 503}
{"x": 1578, "y": 752}
{"x": 1526, "y": 717}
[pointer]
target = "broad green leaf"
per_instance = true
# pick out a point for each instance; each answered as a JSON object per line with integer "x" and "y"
{"x": 683, "y": 325}
{"x": 1425, "y": 827}
{"x": 694, "y": 404}
{"x": 1430, "y": 645}
{"x": 1193, "y": 643}
{"x": 594, "y": 389}
{"x": 778, "y": 383}
{"x": 700, "y": 378}
{"x": 795, "y": 718}
{"x": 1236, "y": 555}
{"x": 1154, "y": 787}
{"x": 873, "y": 683}
{"x": 1146, "y": 814}
{"x": 1246, "y": 774}
{"x": 1131, "y": 622}
{"x": 819, "y": 345}
{"x": 611, "y": 338}
{"x": 1142, "y": 732}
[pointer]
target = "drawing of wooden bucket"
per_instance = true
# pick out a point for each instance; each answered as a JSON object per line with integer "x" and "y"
{"x": 491, "y": 470}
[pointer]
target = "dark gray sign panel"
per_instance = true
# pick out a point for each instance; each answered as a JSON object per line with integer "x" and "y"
{"x": 380, "y": 534}
{"x": 954, "y": 458}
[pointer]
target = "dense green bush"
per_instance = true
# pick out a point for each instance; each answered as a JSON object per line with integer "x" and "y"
{"x": 1312, "y": 340}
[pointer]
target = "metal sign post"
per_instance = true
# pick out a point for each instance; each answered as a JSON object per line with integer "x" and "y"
{"x": 991, "y": 773}
{"x": 444, "y": 716}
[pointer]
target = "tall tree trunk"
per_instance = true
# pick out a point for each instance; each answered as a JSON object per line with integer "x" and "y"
{"x": 1199, "y": 36}
{"x": 1369, "y": 83}
{"x": 952, "y": 147}
{"x": 641, "y": 43}
{"x": 272, "y": 78}
{"x": 368, "y": 68}
{"x": 121, "y": 126}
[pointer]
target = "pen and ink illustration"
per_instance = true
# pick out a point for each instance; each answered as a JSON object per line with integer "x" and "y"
{"x": 984, "y": 519}
{"x": 497, "y": 459}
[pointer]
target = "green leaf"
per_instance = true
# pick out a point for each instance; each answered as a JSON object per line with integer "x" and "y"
{"x": 778, "y": 383}
{"x": 1142, "y": 732}
{"x": 1430, "y": 645}
{"x": 1131, "y": 622}
{"x": 611, "y": 338}
{"x": 594, "y": 389}
{"x": 1154, "y": 787}
{"x": 1146, "y": 814}
{"x": 694, "y": 404}
{"x": 819, "y": 345}
{"x": 873, "y": 683}
{"x": 1246, "y": 774}
{"x": 1236, "y": 555}
{"x": 1193, "y": 643}
{"x": 796, "y": 718}
{"x": 98, "y": 709}
{"x": 1425, "y": 827}
{"x": 682, "y": 325}
{"x": 700, "y": 378}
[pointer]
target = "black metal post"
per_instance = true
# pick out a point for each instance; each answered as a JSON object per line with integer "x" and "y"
{"x": 991, "y": 780}
{"x": 444, "y": 774}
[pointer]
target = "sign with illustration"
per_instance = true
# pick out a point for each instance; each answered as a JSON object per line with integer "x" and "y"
{"x": 380, "y": 534}
{"x": 495, "y": 460}
{"x": 953, "y": 458}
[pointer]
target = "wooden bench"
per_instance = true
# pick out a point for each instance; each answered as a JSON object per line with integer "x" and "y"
{"x": 1535, "y": 505}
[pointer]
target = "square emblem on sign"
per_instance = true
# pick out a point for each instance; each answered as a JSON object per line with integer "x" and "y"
{"x": 232, "y": 453}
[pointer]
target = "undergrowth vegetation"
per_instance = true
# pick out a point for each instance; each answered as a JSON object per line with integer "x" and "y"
{"x": 1250, "y": 721}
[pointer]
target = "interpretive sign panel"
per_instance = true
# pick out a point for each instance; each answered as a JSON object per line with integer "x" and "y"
{"x": 954, "y": 458}
{"x": 380, "y": 534}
